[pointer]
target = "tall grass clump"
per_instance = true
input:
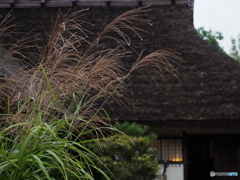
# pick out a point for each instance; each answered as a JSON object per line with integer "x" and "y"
{"x": 50, "y": 111}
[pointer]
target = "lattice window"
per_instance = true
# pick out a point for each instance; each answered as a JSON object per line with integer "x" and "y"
{"x": 169, "y": 149}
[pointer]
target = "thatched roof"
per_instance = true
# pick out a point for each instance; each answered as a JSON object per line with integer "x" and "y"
{"x": 208, "y": 87}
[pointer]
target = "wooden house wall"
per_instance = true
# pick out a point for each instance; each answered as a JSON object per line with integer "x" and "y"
{"x": 227, "y": 155}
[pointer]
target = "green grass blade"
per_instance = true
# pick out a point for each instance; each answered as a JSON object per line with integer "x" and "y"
{"x": 42, "y": 167}
{"x": 59, "y": 161}
{"x": 47, "y": 79}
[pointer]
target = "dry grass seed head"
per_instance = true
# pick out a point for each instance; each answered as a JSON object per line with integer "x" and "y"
{"x": 69, "y": 73}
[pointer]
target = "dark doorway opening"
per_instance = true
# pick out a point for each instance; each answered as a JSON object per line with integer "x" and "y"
{"x": 200, "y": 159}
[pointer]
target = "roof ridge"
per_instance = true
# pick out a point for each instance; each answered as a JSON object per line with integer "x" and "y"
{"x": 69, "y": 3}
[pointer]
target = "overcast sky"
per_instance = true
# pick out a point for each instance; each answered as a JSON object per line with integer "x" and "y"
{"x": 219, "y": 15}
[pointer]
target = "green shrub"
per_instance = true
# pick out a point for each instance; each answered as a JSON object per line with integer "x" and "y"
{"x": 128, "y": 157}
{"x": 136, "y": 130}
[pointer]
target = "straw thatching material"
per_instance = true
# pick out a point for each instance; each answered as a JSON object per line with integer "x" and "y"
{"x": 208, "y": 87}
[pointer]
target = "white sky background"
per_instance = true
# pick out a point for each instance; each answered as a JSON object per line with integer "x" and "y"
{"x": 219, "y": 15}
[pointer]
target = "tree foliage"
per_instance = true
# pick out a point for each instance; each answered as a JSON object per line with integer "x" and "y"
{"x": 211, "y": 36}
{"x": 136, "y": 130}
{"x": 235, "y": 49}
{"x": 128, "y": 157}
{"x": 214, "y": 38}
